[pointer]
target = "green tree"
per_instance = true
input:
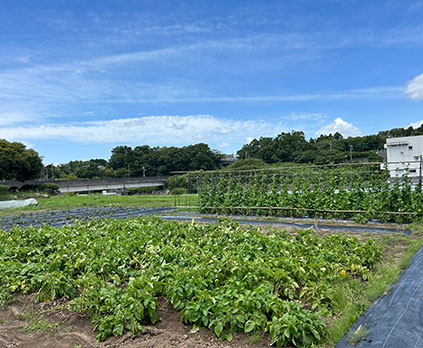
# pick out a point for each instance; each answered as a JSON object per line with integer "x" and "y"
{"x": 290, "y": 145}
{"x": 122, "y": 158}
{"x": 161, "y": 160}
{"x": 17, "y": 162}
{"x": 286, "y": 147}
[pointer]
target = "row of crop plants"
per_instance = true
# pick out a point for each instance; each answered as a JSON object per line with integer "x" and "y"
{"x": 222, "y": 276}
{"x": 340, "y": 192}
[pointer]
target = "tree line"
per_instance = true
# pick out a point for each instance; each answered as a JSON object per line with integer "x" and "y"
{"x": 332, "y": 148}
{"x": 294, "y": 147}
{"x": 19, "y": 163}
{"x": 126, "y": 161}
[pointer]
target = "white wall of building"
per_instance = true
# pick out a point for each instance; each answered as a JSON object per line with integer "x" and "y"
{"x": 405, "y": 154}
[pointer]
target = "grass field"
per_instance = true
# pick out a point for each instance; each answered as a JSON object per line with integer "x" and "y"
{"x": 149, "y": 201}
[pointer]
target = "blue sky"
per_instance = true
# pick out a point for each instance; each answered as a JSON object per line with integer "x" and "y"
{"x": 80, "y": 77}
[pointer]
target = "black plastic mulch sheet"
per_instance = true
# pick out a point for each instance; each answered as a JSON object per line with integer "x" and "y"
{"x": 59, "y": 218}
{"x": 319, "y": 225}
{"x": 396, "y": 319}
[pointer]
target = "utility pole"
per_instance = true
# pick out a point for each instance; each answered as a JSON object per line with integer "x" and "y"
{"x": 351, "y": 148}
{"x": 143, "y": 171}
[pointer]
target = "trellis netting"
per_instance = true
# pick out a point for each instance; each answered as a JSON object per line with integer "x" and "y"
{"x": 361, "y": 193}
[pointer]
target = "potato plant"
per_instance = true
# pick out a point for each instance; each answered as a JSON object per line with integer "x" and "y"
{"x": 223, "y": 277}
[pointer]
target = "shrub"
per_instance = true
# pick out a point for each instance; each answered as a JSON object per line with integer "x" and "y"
{"x": 143, "y": 190}
{"x": 246, "y": 164}
{"x": 178, "y": 191}
{"x": 4, "y": 190}
{"x": 176, "y": 181}
{"x": 30, "y": 187}
{"x": 180, "y": 181}
{"x": 50, "y": 188}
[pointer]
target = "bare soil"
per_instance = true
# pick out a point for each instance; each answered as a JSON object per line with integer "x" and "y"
{"x": 70, "y": 330}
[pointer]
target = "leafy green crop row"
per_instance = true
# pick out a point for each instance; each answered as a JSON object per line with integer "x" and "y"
{"x": 222, "y": 276}
{"x": 367, "y": 191}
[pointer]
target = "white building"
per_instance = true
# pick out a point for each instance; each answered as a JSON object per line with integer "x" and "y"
{"x": 404, "y": 155}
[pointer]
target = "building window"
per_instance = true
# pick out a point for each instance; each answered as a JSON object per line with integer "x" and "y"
{"x": 412, "y": 170}
{"x": 410, "y": 147}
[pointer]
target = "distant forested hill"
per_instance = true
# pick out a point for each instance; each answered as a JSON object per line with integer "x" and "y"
{"x": 294, "y": 147}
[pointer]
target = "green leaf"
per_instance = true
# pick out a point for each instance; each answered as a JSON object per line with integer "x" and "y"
{"x": 249, "y": 326}
{"x": 218, "y": 329}
{"x": 229, "y": 336}
{"x": 194, "y": 330}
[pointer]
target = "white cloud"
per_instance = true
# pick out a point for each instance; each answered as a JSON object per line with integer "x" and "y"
{"x": 148, "y": 129}
{"x": 43, "y": 88}
{"x": 415, "y": 88}
{"x": 28, "y": 145}
{"x": 24, "y": 59}
{"x": 306, "y": 117}
{"x": 9, "y": 118}
{"x": 159, "y": 130}
{"x": 377, "y": 93}
{"x": 341, "y": 126}
{"x": 100, "y": 79}
{"x": 416, "y": 124}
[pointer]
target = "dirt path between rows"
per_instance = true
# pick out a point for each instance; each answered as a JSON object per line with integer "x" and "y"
{"x": 64, "y": 329}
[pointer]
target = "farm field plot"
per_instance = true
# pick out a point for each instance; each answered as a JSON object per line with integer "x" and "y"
{"x": 98, "y": 200}
{"x": 242, "y": 285}
{"x": 62, "y": 217}
{"x": 290, "y": 223}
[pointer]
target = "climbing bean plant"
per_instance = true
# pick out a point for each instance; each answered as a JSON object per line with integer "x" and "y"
{"x": 349, "y": 193}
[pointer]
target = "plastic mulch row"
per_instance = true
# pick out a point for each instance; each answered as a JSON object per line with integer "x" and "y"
{"x": 394, "y": 320}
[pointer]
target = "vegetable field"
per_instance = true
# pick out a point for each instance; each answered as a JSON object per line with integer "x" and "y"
{"x": 223, "y": 277}
{"x": 361, "y": 194}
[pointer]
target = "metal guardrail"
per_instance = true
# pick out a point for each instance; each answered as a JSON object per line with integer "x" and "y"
{"x": 87, "y": 182}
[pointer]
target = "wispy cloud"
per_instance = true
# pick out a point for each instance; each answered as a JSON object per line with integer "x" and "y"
{"x": 54, "y": 87}
{"x": 377, "y": 93}
{"x": 113, "y": 78}
{"x": 255, "y": 44}
{"x": 162, "y": 129}
{"x": 306, "y": 117}
{"x": 177, "y": 130}
{"x": 12, "y": 118}
{"x": 149, "y": 129}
